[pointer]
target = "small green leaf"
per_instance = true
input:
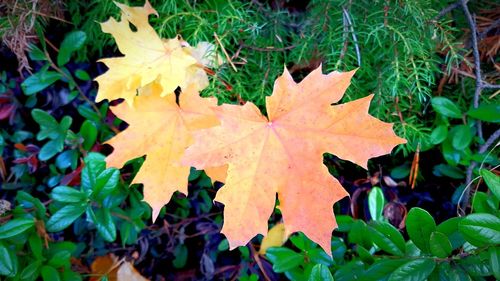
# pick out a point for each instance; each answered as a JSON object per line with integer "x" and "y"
{"x": 480, "y": 229}
{"x": 446, "y": 107}
{"x": 388, "y": 238}
{"x": 439, "y": 134}
{"x": 492, "y": 181}
{"x": 440, "y": 245}
{"x": 49, "y": 128}
{"x": 420, "y": 225}
{"x": 49, "y": 273}
{"x": 181, "y": 255}
{"x": 376, "y": 202}
{"x": 381, "y": 269}
{"x": 415, "y": 270}
{"x": 495, "y": 261}
{"x": 89, "y": 133}
{"x": 486, "y": 112}
{"x": 15, "y": 227}
{"x": 65, "y": 217}
{"x": 60, "y": 259}
{"x": 320, "y": 273}
{"x": 461, "y": 137}
{"x": 39, "y": 81}
{"x": 106, "y": 182}
{"x": 8, "y": 262}
{"x": 67, "y": 194}
{"x": 450, "y": 228}
{"x": 31, "y": 271}
{"x": 50, "y": 149}
{"x": 284, "y": 259}
{"x": 82, "y": 75}
{"x": 72, "y": 42}
{"x": 105, "y": 225}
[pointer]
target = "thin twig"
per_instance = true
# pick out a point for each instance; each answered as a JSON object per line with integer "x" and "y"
{"x": 477, "y": 62}
{"x": 446, "y": 10}
{"x": 225, "y": 53}
{"x": 267, "y": 49}
{"x": 353, "y": 34}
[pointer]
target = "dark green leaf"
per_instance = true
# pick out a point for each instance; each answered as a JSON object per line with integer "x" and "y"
{"x": 15, "y": 226}
{"x": 67, "y": 194}
{"x": 446, "y": 107}
{"x": 415, "y": 270}
{"x": 387, "y": 238}
{"x": 8, "y": 262}
{"x": 82, "y": 75}
{"x": 449, "y": 171}
{"x": 64, "y": 217}
{"x": 31, "y": 271}
{"x": 461, "y": 137}
{"x": 60, "y": 259}
{"x": 89, "y": 133}
{"x": 440, "y": 245}
{"x": 39, "y": 81}
{"x": 320, "y": 273}
{"x": 181, "y": 255}
{"x": 105, "y": 225}
{"x": 50, "y": 149}
{"x": 49, "y": 273}
{"x": 283, "y": 259}
{"x": 476, "y": 265}
{"x": 486, "y": 112}
{"x": 481, "y": 229}
{"x": 420, "y": 225}
{"x": 106, "y": 182}
{"x": 492, "y": 181}
{"x": 450, "y": 229}
{"x": 439, "y": 134}
{"x": 495, "y": 261}
{"x": 72, "y": 42}
{"x": 381, "y": 269}
{"x": 66, "y": 159}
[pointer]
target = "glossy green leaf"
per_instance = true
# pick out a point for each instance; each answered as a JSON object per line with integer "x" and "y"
{"x": 420, "y": 225}
{"x": 89, "y": 133}
{"x": 387, "y": 238}
{"x": 439, "y": 134}
{"x": 320, "y": 273}
{"x": 481, "y": 229}
{"x": 60, "y": 259}
{"x": 8, "y": 261}
{"x": 65, "y": 217}
{"x": 492, "y": 181}
{"x": 440, "y": 245}
{"x": 283, "y": 259}
{"x": 461, "y": 137}
{"x": 31, "y": 271}
{"x": 376, "y": 202}
{"x": 105, "y": 224}
{"x": 415, "y": 270}
{"x": 486, "y": 112}
{"x": 446, "y": 107}
{"x": 15, "y": 226}
{"x": 39, "y": 81}
{"x": 495, "y": 261}
{"x": 49, "y": 273}
{"x": 71, "y": 42}
{"x": 67, "y": 194}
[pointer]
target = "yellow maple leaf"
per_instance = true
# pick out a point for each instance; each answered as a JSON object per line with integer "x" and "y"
{"x": 284, "y": 154}
{"x": 147, "y": 58}
{"x": 161, "y": 130}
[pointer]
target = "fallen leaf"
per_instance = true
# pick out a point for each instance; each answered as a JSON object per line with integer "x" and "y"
{"x": 276, "y": 236}
{"x": 127, "y": 272}
{"x": 114, "y": 269}
{"x": 147, "y": 58}
{"x": 284, "y": 154}
{"x": 161, "y": 130}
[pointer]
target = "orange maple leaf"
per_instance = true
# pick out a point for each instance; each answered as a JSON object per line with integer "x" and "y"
{"x": 147, "y": 58}
{"x": 284, "y": 154}
{"x": 161, "y": 130}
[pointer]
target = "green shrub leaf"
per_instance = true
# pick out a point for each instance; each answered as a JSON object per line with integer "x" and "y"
{"x": 64, "y": 217}
{"x": 440, "y": 245}
{"x": 415, "y": 270}
{"x": 15, "y": 227}
{"x": 481, "y": 229}
{"x": 420, "y": 225}
{"x": 446, "y": 107}
{"x": 320, "y": 272}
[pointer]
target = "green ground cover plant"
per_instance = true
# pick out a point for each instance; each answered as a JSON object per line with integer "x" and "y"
{"x": 428, "y": 211}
